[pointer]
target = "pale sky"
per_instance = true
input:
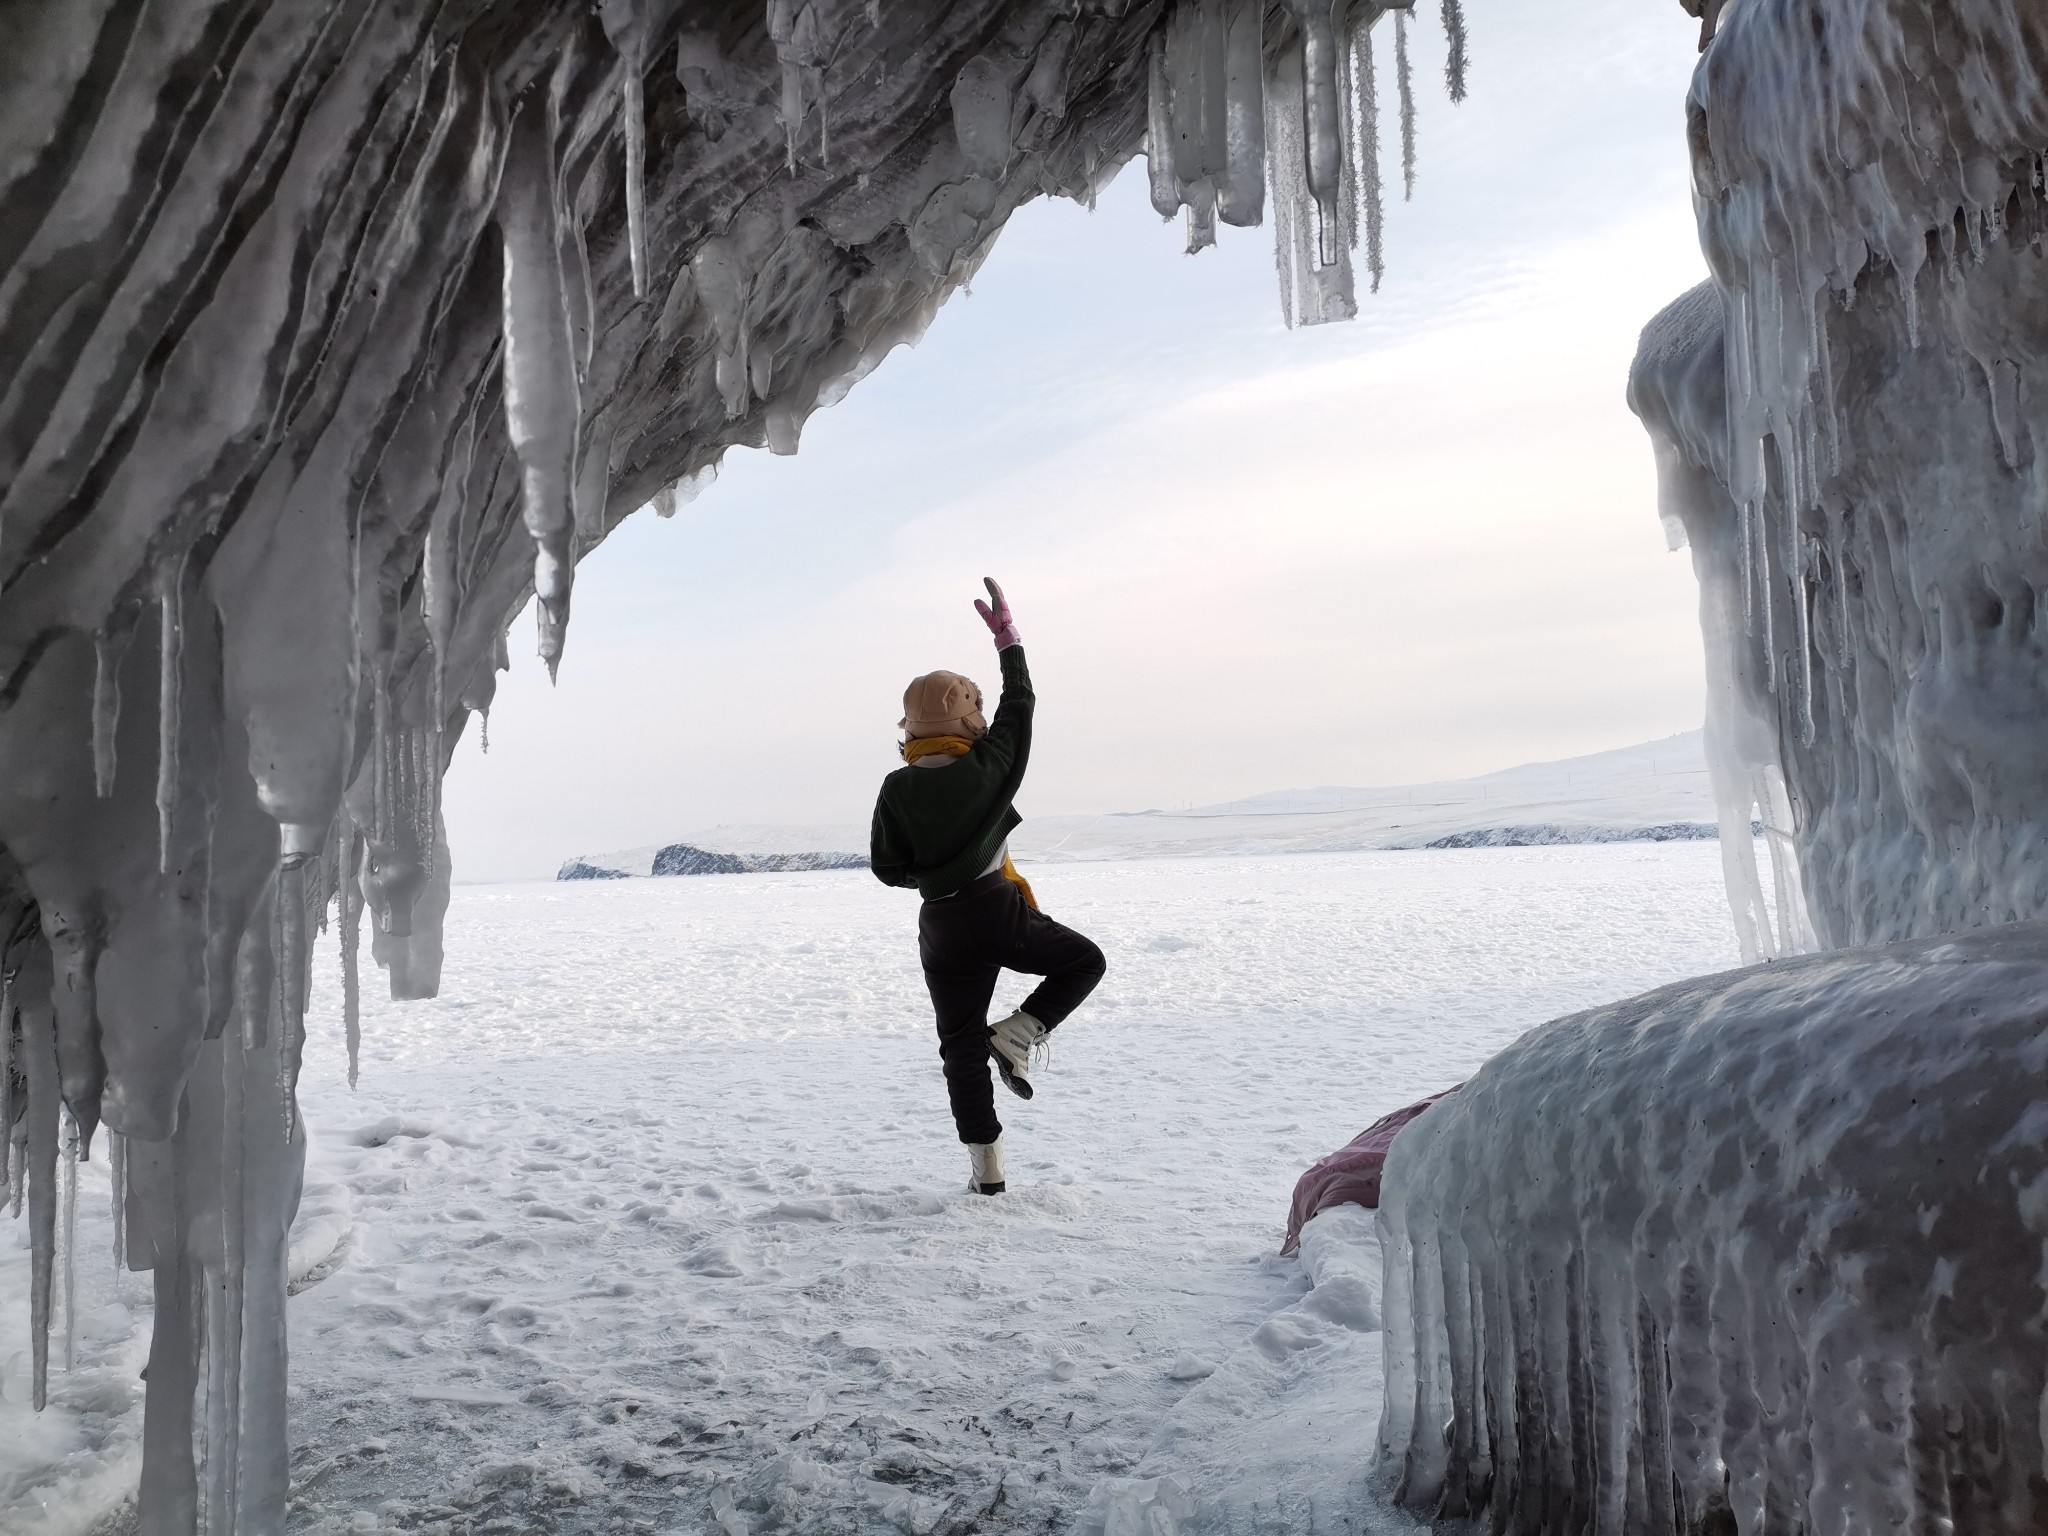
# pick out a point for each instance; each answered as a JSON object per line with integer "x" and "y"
{"x": 1417, "y": 546}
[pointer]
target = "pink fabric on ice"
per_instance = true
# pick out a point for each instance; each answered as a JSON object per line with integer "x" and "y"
{"x": 1351, "y": 1174}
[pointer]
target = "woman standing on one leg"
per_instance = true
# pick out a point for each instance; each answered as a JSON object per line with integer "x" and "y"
{"x": 942, "y": 825}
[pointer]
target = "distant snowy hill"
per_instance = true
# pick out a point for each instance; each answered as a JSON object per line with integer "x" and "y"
{"x": 1657, "y": 792}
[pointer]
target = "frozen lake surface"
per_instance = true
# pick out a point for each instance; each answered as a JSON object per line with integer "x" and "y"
{"x": 655, "y": 1219}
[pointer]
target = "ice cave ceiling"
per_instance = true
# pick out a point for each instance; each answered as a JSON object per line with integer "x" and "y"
{"x": 334, "y": 332}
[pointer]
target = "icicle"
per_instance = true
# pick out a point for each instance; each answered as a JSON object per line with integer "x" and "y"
{"x": 1365, "y": 153}
{"x": 1768, "y": 620}
{"x": 484, "y": 729}
{"x": 39, "y": 1058}
{"x": 634, "y": 110}
{"x": 10, "y": 1166}
{"x": 1159, "y": 132}
{"x": 1405, "y": 82}
{"x": 1804, "y": 594}
{"x": 577, "y": 299}
{"x": 351, "y": 896}
{"x": 1322, "y": 122}
{"x": 725, "y": 285}
{"x": 67, "y": 1232}
{"x": 1747, "y": 515}
{"x": 291, "y": 983}
{"x": 438, "y": 579}
{"x": 225, "y": 1290}
{"x": 1241, "y": 190}
{"x": 1454, "y": 59}
{"x": 117, "y": 1169}
{"x": 1793, "y": 457}
{"x": 107, "y": 651}
{"x": 170, "y": 689}
{"x": 782, "y": 33}
{"x": 541, "y": 396}
{"x": 425, "y": 778}
{"x": 1824, "y": 365}
{"x": 1201, "y": 217}
{"x": 380, "y": 763}
{"x": 1291, "y": 257}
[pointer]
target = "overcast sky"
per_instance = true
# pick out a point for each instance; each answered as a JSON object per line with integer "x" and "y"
{"x": 1420, "y": 545}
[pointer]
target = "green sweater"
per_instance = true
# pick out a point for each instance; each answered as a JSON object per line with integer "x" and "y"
{"x": 937, "y": 828}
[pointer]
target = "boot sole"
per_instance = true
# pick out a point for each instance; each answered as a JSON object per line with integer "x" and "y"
{"x": 989, "y": 1189}
{"x": 1020, "y": 1086}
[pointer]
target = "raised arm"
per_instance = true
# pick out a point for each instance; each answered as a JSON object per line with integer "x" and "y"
{"x": 1009, "y": 733}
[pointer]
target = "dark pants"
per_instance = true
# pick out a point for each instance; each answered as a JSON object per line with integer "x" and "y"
{"x": 964, "y": 941}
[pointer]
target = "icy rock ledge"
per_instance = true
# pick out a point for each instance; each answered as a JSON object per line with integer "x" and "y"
{"x": 1759, "y": 1251}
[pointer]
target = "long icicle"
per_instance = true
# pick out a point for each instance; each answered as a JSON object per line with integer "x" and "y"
{"x": 635, "y": 110}
{"x": 1456, "y": 60}
{"x": 170, "y": 690}
{"x": 1365, "y": 151}
{"x": 1322, "y": 127}
{"x": 540, "y": 391}
{"x": 106, "y": 707}
{"x": 351, "y": 938}
{"x": 225, "y": 1295}
{"x": 291, "y": 979}
{"x": 117, "y": 1168}
{"x": 39, "y": 1053}
{"x": 67, "y": 1232}
{"x": 9, "y": 1169}
{"x": 1405, "y": 82}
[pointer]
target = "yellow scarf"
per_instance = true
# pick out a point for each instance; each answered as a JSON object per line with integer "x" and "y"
{"x": 1010, "y": 874}
{"x": 936, "y": 746}
{"x": 960, "y": 746}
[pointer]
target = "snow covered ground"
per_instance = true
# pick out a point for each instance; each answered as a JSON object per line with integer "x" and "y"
{"x": 655, "y": 1220}
{"x": 1655, "y": 784}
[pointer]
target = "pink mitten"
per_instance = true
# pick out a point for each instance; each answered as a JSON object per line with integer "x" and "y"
{"x": 998, "y": 619}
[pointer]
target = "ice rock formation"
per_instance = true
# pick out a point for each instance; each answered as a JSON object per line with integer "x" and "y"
{"x": 333, "y": 333}
{"x": 1763, "y": 1251}
{"x": 1765, "y": 1256}
{"x": 1846, "y": 423}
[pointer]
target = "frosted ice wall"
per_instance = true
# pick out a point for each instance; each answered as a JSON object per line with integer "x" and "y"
{"x": 334, "y": 333}
{"x": 1766, "y": 1257}
{"x": 1846, "y": 426}
{"x": 1762, "y": 1251}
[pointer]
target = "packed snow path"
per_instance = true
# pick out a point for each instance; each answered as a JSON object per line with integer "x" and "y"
{"x": 659, "y": 1222}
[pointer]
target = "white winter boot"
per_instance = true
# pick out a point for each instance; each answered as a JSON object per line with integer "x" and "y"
{"x": 1015, "y": 1043}
{"x": 987, "y": 1178}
